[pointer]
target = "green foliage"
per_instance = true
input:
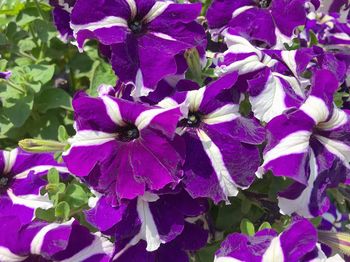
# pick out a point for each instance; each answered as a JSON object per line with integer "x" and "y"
{"x": 69, "y": 197}
{"x": 46, "y": 73}
{"x": 247, "y": 227}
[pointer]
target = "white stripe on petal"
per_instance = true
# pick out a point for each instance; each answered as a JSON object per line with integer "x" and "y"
{"x": 337, "y": 148}
{"x": 227, "y": 185}
{"x": 133, "y": 8}
{"x": 7, "y": 256}
{"x": 293, "y": 82}
{"x": 289, "y": 58}
{"x": 194, "y": 98}
{"x": 100, "y": 245}
{"x": 339, "y": 118}
{"x": 39, "y": 169}
{"x": 295, "y": 143}
{"x": 274, "y": 252}
{"x": 163, "y": 36}
{"x": 107, "y": 22}
{"x": 247, "y": 65}
{"x": 89, "y": 138}
{"x": 31, "y": 201}
{"x": 9, "y": 159}
{"x": 139, "y": 87}
{"x": 223, "y": 114}
{"x": 148, "y": 231}
{"x": 113, "y": 111}
{"x": 145, "y": 118}
{"x": 38, "y": 240}
{"x": 226, "y": 259}
{"x": 65, "y": 6}
{"x": 240, "y": 10}
{"x": 157, "y": 9}
{"x": 300, "y": 205}
{"x": 270, "y": 102}
{"x": 315, "y": 108}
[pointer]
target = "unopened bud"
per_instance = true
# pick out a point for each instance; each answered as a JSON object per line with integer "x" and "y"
{"x": 38, "y": 145}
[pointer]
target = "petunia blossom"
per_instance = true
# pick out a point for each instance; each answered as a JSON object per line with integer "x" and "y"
{"x": 144, "y": 36}
{"x": 21, "y": 179}
{"x": 221, "y": 144}
{"x": 122, "y": 148}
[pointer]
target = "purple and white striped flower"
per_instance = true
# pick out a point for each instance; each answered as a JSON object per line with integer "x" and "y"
{"x": 155, "y": 219}
{"x": 144, "y": 36}
{"x": 274, "y": 84}
{"x": 265, "y": 22}
{"x": 44, "y": 241}
{"x": 61, "y": 15}
{"x": 310, "y": 146}
{"x": 192, "y": 238}
{"x": 21, "y": 179}
{"x": 221, "y": 145}
{"x": 291, "y": 245}
{"x": 123, "y": 148}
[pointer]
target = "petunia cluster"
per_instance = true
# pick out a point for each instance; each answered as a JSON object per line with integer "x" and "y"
{"x": 212, "y": 99}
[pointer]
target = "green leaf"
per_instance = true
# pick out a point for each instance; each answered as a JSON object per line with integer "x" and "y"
{"x": 76, "y": 196}
{"x": 62, "y": 134}
{"x": 101, "y": 73}
{"x": 18, "y": 110}
{"x": 313, "y": 39}
{"x": 46, "y": 215}
{"x": 53, "y": 176}
{"x": 53, "y": 98}
{"x": 42, "y": 29}
{"x": 316, "y": 221}
{"x": 247, "y": 227}
{"x": 26, "y": 44}
{"x": 62, "y": 210}
{"x": 207, "y": 253}
{"x": 42, "y": 73}
{"x": 265, "y": 225}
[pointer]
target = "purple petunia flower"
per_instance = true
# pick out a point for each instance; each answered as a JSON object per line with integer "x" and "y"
{"x": 124, "y": 148}
{"x": 61, "y": 15}
{"x": 144, "y": 36}
{"x": 21, "y": 178}
{"x": 192, "y": 238}
{"x": 5, "y": 75}
{"x": 153, "y": 219}
{"x": 221, "y": 151}
{"x": 309, "y": 145}
{"x": 274, "y": 84}
{"x": 291, "y": 245}
{"x": 42, "y": 241}
{"x": 266, "y": 22}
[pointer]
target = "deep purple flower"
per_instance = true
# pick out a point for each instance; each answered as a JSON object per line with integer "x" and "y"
{"x": 155, "y": 219}
{"x": 273, "y": 83}
{"x": 5, "y": 75}
{"x": 291, "y": 245}
{"x": 123, "y": 147}
{"x": 311, "y": 146}
{"x": 144, "y": 36}
{"x": 269, "y": 22}
{"x": 192, "y": 238}
{"x": 61, "y": 16}
{"x": 42, "y": 241}
{"x": 221, "y": 145}
{"x": 21, "y": 178}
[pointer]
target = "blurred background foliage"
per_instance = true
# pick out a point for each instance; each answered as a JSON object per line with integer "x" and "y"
{"x": 46, "y": 73}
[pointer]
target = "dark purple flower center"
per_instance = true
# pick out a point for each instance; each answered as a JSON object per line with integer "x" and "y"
{"x": 5, "y": 181}
{"x": 136, "y": 27}
{"x": 128, "y": 133}
{"x": 194, "y": 119}
{"x": 264, "y": 3}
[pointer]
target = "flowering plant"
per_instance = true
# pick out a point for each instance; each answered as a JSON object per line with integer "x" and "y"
{"x": 153, "y": 130}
